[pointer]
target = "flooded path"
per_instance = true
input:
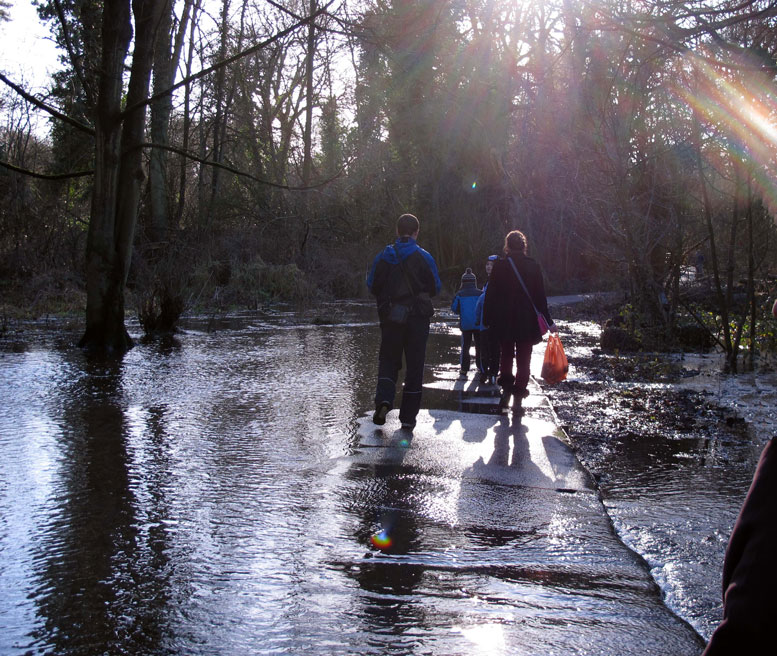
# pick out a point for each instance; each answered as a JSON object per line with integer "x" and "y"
{"x": 221, "y": 496}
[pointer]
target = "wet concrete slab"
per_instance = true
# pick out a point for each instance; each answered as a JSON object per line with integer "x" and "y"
{"x": 530, "y": 452}
{"x": 503, "y": 534}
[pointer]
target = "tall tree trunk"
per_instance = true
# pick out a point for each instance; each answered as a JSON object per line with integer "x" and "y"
{"x": 166, "y": 56}
{"x": 221, "y": 110}
{"x": 732, "y": 340}
{"x": 307, "y": 162}
{"x": 707, "y": 207}
{"x": 186, "y": 119}
{"x": 224, "y": 98}
{"x": 104, "y": 289}
{"x": 751, "y": 274}
{"x": 118, "y": 171}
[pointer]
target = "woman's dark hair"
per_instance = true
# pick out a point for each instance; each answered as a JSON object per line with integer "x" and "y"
{"x": 515, "y": 242}
{"x": 407, "y": 225}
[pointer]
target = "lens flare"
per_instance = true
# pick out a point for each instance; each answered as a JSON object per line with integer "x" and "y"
{"x": 381, "y": 540}
{"x": 740, "y": 110}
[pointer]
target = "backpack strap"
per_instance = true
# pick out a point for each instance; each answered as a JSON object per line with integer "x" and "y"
{"x": 404, "y": 271}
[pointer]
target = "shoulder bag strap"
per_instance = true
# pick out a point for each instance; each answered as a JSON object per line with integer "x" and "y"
{"x": 520, "y": 280}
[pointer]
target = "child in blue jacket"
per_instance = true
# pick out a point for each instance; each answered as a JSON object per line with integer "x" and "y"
{"x": 464, "y": 305}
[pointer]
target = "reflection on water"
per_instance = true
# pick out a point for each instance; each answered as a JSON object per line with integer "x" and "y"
{"x": 148, "y": 505}
{"x": 202, "y": 498}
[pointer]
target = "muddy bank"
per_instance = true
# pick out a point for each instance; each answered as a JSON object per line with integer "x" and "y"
{"x": 673, "y": 455}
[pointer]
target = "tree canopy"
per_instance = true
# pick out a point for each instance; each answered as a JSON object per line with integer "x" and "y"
{"x": 247, "y": 137}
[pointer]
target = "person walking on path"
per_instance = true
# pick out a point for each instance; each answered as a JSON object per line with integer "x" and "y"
{"x": 464, "y": 304}
{"x": 489, "y": 344}
{"x": 403, "y": 278}
{"x": 510, "y": 311}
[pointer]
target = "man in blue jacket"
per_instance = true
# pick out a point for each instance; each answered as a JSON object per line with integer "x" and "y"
{"x": 403, "y": 278}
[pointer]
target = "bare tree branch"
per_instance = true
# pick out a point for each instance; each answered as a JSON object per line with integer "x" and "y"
{"x": 47, "y": 108}
{"x": 177, "y": 151}
{"x": 196, "y": 76}
{"x": 675, "y": 37}
{"x": 74, "y": 60}
{"x": 45, "y": 176}
{"x": 229, "y": 60}
{"x": 235, "y": 171}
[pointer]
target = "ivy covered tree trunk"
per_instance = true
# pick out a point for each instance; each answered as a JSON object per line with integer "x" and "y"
{"x": 118, "y": 171}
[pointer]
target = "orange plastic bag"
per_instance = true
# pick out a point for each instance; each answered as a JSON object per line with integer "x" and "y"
{"x": 555, "y": 365}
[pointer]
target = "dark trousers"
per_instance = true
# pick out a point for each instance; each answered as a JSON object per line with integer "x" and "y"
{"x": 489, "y": 352}
{"x": 467, "y": 337}
{"x": 395, "y": 340}
{"x": 521, "y": 352}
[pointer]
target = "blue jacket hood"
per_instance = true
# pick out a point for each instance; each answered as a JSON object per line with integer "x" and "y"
{"x": 406, "y": 246}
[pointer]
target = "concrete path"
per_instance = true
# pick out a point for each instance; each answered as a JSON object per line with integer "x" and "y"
{"x": 608, "y": 297}
{"x": 500, "y": 508}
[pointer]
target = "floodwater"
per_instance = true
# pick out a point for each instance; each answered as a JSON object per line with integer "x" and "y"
{"x": 674, "y": 490}
{"x": 203, "y": 497}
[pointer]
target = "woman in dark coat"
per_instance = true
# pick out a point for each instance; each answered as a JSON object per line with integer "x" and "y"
{"x": 509, "y": 312}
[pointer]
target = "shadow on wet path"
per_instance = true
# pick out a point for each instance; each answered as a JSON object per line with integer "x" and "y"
{"x": 492, "y": 527}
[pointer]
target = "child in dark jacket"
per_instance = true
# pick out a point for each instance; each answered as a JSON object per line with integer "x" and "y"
{"x": 464, "y": 305}
{"x": 489, "y": 344}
